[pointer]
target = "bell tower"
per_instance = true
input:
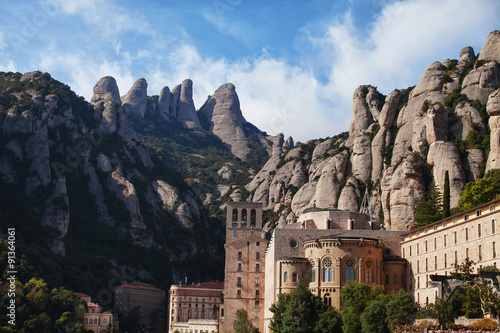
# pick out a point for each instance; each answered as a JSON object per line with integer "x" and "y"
{"x": 243, "y": 218}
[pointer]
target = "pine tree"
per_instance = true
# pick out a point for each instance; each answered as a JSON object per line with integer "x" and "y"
{"x": 431, "y": 209}
{"x": 446, "y": 195}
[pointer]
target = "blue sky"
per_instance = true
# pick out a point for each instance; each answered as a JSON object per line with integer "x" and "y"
{"x": 295, "y": 64}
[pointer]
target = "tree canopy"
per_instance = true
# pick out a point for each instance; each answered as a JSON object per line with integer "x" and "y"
{"x": 301, "y": 311}
{"x": 481, "y": 191}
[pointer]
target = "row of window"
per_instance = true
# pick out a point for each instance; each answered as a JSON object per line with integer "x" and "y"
{"x": 467, "y": 237}
{"x": 94, "y": 321}
{"x": 195, "y": 331}
{"x": 195, "y": 293}
{"x": 238, "y": 281}
{"x": 244, "y": 216}
{"x": 455, "y": 261}
{"x": 238, "y": 293}
{"x": 257, "y": 254}
{"x": 257, "y": 267}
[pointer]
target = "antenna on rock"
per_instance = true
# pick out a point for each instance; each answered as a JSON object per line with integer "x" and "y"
{"x": 365, "y": 206}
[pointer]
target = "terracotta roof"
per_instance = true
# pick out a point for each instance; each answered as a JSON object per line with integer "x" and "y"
{"x": 81, "y": 295}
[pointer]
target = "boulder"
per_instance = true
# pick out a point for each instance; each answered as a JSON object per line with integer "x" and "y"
{"x": 106, "y": 99}
{"x": 467, "y": 54}
{"x": 348, "y": 197}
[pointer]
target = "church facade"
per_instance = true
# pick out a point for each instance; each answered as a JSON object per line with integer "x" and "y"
{"x": 326, "y": 248}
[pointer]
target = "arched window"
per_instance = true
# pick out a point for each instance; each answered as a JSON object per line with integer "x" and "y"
{"x": 349, "y": 270}
{"x": 368, "y": 272}
{"x": 327, "y": 299}
{"x": 285, "y": 277}
{"x": 235, "y": 215}
{"x": 313, "y": 269}
{"x": 294, "y": 277}
{"x": 253, "y": 217}
{"x": 203, "y": 314}
{"x": 244, "y": 215}
{"x": 328, "y": 270}
{"x": 95, "y": 321}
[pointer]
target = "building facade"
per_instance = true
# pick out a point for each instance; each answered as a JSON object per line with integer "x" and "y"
{"x": 149, "y": 299}
{"x": 93, "y": 319}
{"x": 327, "y": 248}
{"x": 436, "y": 248}
{"x": 196, "y": 308}
{"x": 245, "y": 265}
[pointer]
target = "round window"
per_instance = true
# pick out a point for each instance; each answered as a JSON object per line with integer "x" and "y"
{"x": 293, "y": 243}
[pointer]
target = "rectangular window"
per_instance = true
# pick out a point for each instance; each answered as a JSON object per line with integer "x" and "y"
{"x": 492, "y": 208}
{"x": 410, "y": 250}
{"x": 395, "y": 279}
{"x": 435, "y": 243}
{"x": 257, "y": 281}
{"x": 257, "y": 294}
{"x": 418, "y": 249}
{"x": 426, "y": 265}
{"x": 456, "y": 258}
{"x": 493, "y": 222}
{"x": 257, "y": 314}
{"x": 480, "y": 255}
{"x": 240, "y": 255}
{"x": 435, "y": 227}
{"x": 257, "y": 302}
{"x": 425, "y": 246}
{"x": 444, "y": 241}
{"x": 418, "y": 266}
{"x": 455, "y": 234}
{"x": 235, "y": 234}
{"x": 479, "y": 230}
{"x": 445, "y": 263}
{"x": 238, "y": 281}
{"x": 239, "y": 267}
{"x": 445, "y": 224}
{"x": 478, "y": 212}
{"x": 467, "y": 253}
{"x": 466, "y": 217}
{"x": 257, "y": 244}
{"x": 466, "y": 234}
{"x": 455, "y": 221}
{"x": 435, "y": 262}
{"x": 238, "y": 293}
{"x": 494, "y": 251}
{"x": 257, "y": 255}
{"x": 257, "y": 267}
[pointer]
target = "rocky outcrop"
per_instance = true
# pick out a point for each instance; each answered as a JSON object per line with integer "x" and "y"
{"x": 163, "y": 106}
{"x": 470, "y": 118}
{"x": 444, "y": 156}
{"x": 37, "y": 151}
{"x": 481, "y": 81}
{"x": 493, "y": 109}
{"x": 56, "y": 214}
{"x": 136, "y": 100}
{"x": 491, "y": 48}
{"x": 186, "y": 112}
{"x": 167, "y": 193}
{"x": 222, "y": 116}
{"x": 106, "y": 98}
{"x": 403, "y": 189}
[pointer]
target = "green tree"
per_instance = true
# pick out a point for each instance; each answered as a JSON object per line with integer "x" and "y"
{"x": 446, "y": 195}
{"x": 356, "y": 296}
{"x": 242, "y": 324}
{"x": 401, "y": 309}
{"x": 480, "y": 191}
{"x": 430, "y": 210}
{"x": 374, "y": 318}
{"x": 301, "y": 311}
{"x": 41, "y": 310}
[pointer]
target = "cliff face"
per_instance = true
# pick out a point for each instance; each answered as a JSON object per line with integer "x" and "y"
{"x": 397, "y": 145}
